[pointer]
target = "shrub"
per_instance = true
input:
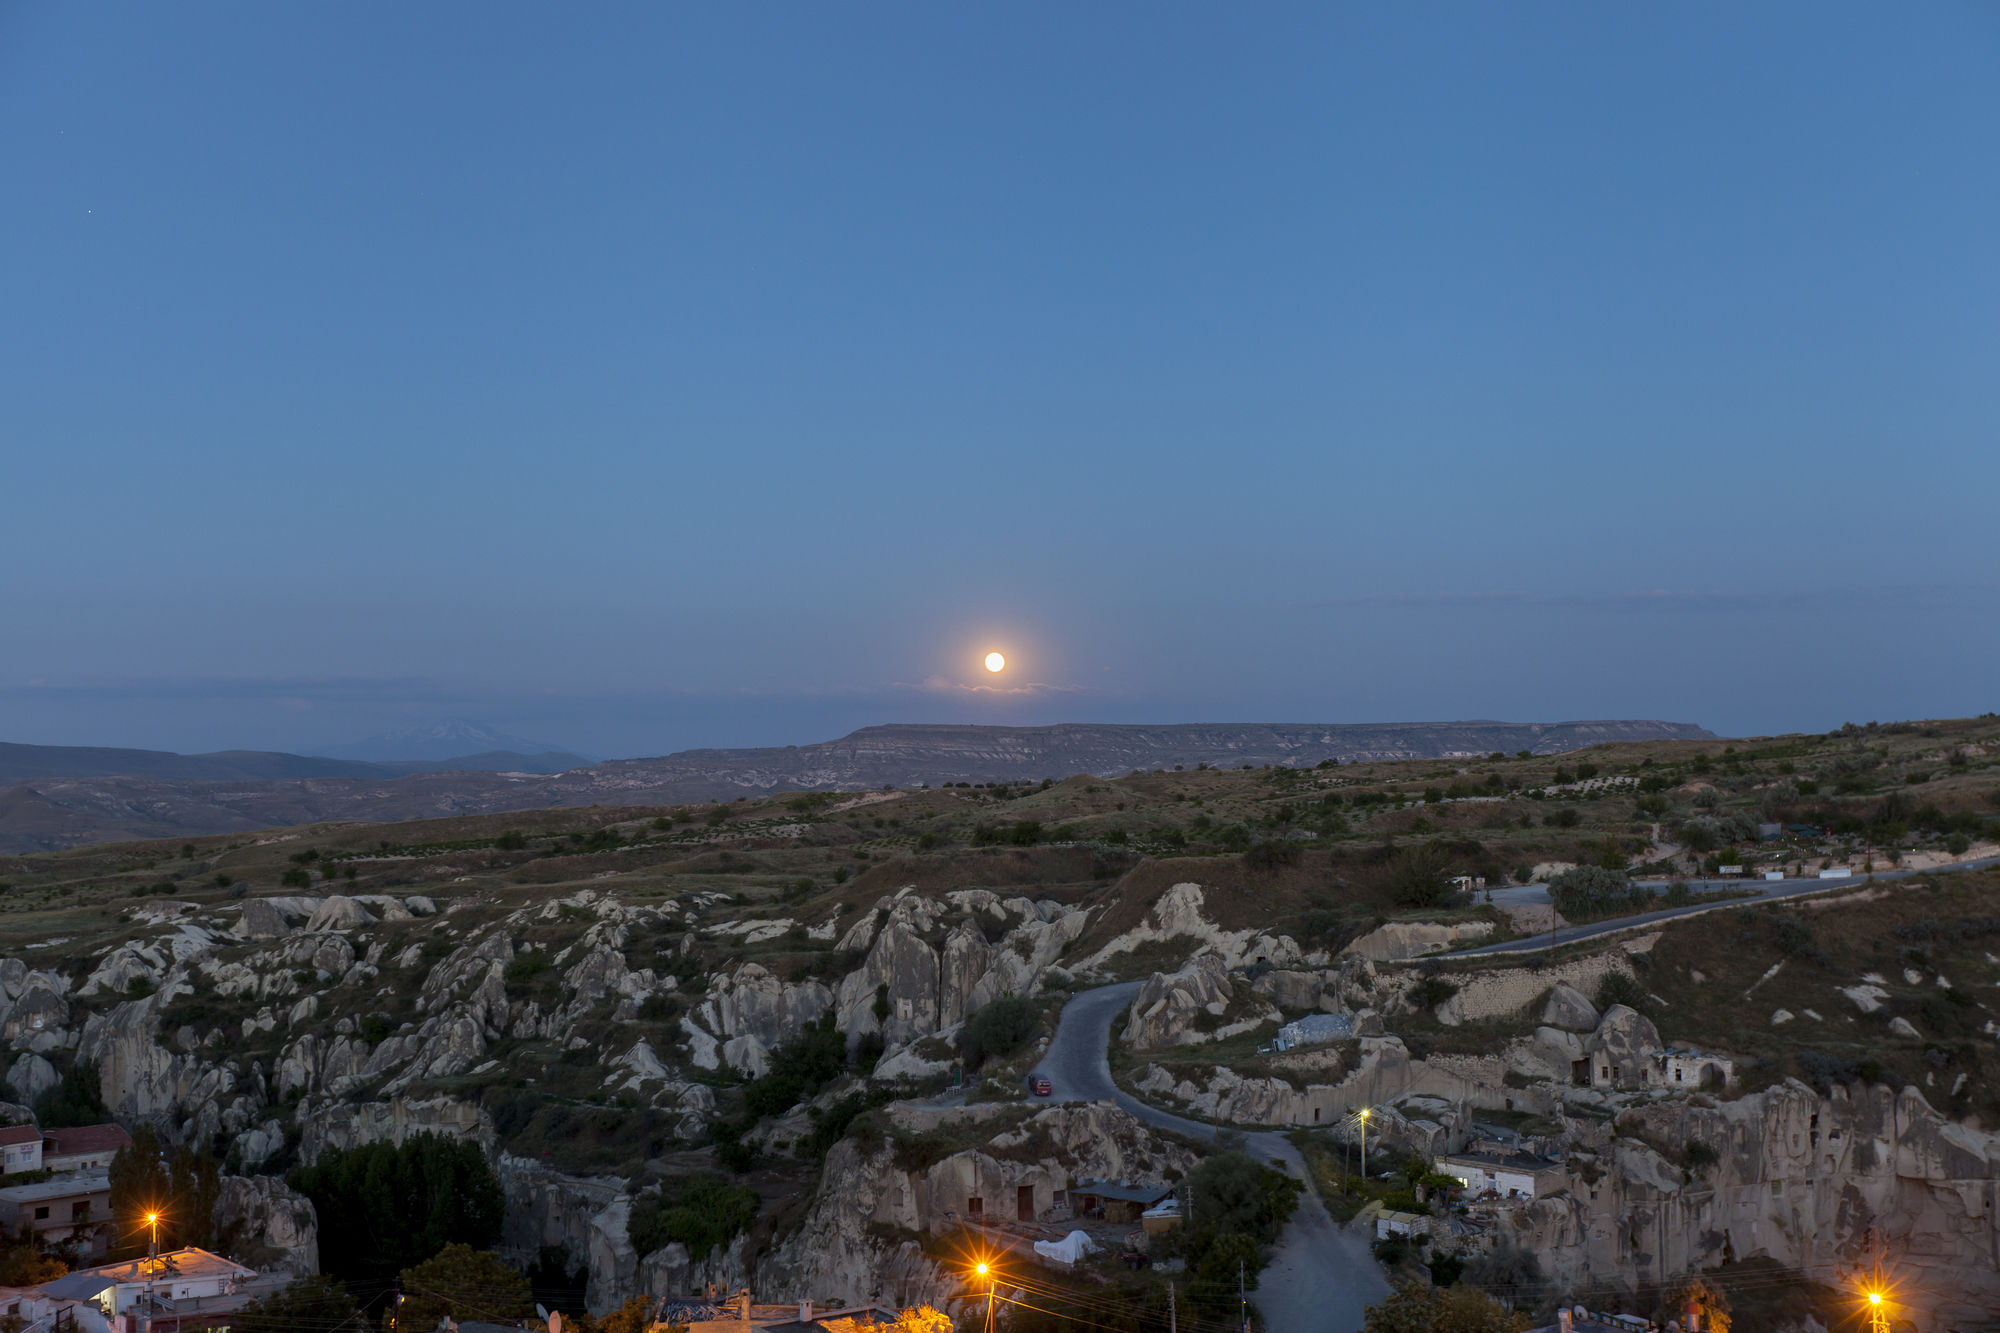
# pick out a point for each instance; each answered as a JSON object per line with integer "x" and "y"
{"x": 1419, "y": 877}
{"x": 799, "y": 1069}
{"x": 703, "y": 1213}
{"x": 1591, "y": 891}
{"x": 999, "y": 1028}
{"x": 1792, "y": 935}
{"x": 526, "y": 968}
{"x": 1623, "y": 988}
{"x": 1432, "y": 992}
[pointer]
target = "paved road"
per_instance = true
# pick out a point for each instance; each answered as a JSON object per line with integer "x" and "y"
{"x": 1321, "y": 1277}
{"x": 1766, "y": 891}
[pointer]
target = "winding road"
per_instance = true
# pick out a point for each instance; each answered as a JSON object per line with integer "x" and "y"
{"x": 1767, "y": 891}
{"x": 1321, "y": 1278}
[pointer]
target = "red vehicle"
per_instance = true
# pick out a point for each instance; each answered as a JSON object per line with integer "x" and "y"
{"x": 1043, "y": 1088}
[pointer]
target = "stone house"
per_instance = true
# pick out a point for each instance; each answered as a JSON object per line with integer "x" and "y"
{"x": 1116, "y": 1201}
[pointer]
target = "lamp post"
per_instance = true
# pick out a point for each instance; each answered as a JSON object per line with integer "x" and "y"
{"x": 1362, "y": 1117}
{"x": 152, "y": 1272}
{"x": 982, "y": 1270}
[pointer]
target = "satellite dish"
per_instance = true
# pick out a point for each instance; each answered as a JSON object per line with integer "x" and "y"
{"x": 541, "y": 1313}
{"x": 555, "y": 1322}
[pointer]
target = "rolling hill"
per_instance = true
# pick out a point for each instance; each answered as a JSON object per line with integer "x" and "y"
{"x": 228, "y": 794}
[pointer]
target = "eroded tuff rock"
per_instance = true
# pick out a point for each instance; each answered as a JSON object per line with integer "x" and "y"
{"x": 1168, "y": 1007}
{"x": 932, "y": 972}
{"x": 1178, "y": 914}
{"x": 1394, "y": 941}
{"x": 1568, "y": 1010}
{"x": 345, "y": 1125}
{"x": 753, "y": 1011}
{"x": 1799, "y": 1177}
{"x": 864, "y": 1198}
{"x": 264, "y": 1223}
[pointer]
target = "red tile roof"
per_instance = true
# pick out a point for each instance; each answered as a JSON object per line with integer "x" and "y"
{"x": 13, "y": 1134}
{"x": 85, "y": 1139}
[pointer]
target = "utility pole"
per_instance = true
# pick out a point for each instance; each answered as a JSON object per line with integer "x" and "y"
{"x": 1173, "y": 1322}
{"x": 1243, "y": 1302}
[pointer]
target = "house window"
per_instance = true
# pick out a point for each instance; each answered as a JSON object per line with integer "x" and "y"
{"x": 974, "y": 1206}
{"x": 42, "y": 1213}
{"x": 80, "y": 1212}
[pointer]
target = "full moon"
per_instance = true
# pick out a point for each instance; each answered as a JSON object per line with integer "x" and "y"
{"x": 995, "y": 661}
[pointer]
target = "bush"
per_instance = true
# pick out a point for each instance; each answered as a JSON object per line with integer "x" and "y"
{"x": 1623, "y": 988}
{"x": 1792, "y": 935}
{"x": 799, "y": 1069}
{"x": 526, "y": 968}
{"x": 1420, "y": 877}
{"x": 999, "y": 1028}
{"x": 703, "y": 1213}
{"x": 1592, "y": 891}
{"x": 1432, "y": 992}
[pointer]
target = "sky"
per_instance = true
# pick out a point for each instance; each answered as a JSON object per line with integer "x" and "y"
{"x": 639, "y": 377}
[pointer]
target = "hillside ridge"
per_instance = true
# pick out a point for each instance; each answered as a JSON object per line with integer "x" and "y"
{"x": 62, "y": 810}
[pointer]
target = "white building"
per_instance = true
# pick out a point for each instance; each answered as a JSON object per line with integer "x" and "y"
{"x": 1509, "y": 1177}
{"x": 182, "y": 1289}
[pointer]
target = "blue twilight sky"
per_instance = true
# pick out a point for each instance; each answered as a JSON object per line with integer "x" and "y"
{"x": 645, "y": 376}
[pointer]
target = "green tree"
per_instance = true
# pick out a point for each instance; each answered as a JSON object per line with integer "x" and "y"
{"x": 1414, "y": 1308}
{"x": 194, "y": 1188}
{"x": 799, "y": 1069}
{"x": 312, "y": 1302}
{"x": 466, "y": 1284}
{"x": 26, "y": 1266}
{"x": 1000, "y": 1027}
{"x": 77, "y": 1099}
{"x": 703, "y": 1213}
{"x": 1420, "y": 877}
{"x": 382, "y": 1202}
{"x": 140, "y": 1184}
{"x": 1510, "y": 1273}
{"x": 1707, "y": 1297}
{"x": 1232, "y": 1193}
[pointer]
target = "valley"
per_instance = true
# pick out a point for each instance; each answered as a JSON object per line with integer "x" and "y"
{"x": 833, "y": 1003}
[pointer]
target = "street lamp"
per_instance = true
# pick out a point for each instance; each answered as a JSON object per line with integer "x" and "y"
{"x": 980, "y": 1269}
{"x": 1362, "y": 1116}
{"x": 153, "y": 1273}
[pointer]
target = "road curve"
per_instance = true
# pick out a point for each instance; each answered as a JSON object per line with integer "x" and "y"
{"x": 1768, "y": 891}
{"x": 1321, "y": 1278}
